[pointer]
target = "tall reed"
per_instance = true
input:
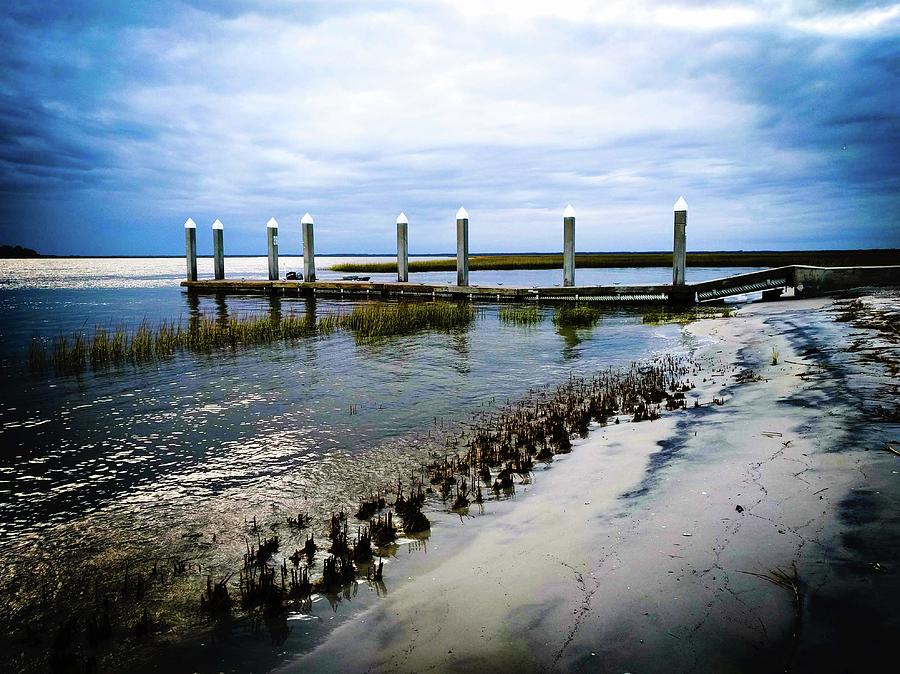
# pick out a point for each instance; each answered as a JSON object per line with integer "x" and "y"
{"x": 68, "y": 352}
{"x": 520, "y": 315}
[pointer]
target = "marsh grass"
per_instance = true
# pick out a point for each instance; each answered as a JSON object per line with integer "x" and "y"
{"x": 577, "y": 316}
{"x": 110, "y": 347}
{"x": 68, "y": 352}
{"x": 824, "y": 258}
{"x": 520, "y": 315}
{"x": 374, "y": 321}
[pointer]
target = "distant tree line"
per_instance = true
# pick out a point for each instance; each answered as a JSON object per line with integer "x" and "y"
{"x": 17, "y": 251}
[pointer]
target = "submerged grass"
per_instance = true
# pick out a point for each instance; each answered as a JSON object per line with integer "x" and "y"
{"x": 659, "y": 316}
{"x": 520, "y": 315}
{"x": 71, "y": 353}
{"x": 577, "y": 316}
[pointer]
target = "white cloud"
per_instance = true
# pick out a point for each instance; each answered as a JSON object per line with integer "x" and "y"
{"x": 513, "y": 107}
{"x": 703, "y": 16}
{"x": 851, "y": 24}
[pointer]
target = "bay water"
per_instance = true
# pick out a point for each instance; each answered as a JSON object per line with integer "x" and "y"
{"x": 159, "y": 456}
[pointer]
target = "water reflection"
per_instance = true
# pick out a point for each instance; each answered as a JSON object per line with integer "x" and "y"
{"x": 460, "y": 343}
{"x": 221, "y": 308}
{"x": 571, "y": 339}
{"x": 193, "y": 306}
{"x": 311, "y": 307}
{"x": 275, "y": 308}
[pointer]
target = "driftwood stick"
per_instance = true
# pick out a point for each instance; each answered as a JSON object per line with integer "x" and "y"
{"x": 891, "y": 448}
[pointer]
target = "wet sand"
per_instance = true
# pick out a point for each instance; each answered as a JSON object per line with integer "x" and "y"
{"x": 631, "y": 554}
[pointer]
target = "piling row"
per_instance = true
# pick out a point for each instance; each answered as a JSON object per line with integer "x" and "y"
{"x": 462, "y": 247}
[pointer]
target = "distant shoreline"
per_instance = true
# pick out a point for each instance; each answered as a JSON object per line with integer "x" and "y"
{"x": 854, "y": 258}
{"x": 17, "y": 253}
{"x": 533, "y": 260}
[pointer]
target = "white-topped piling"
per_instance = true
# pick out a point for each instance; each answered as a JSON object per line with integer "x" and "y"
{"x": 462, "y": 247}
{"x": 272, "y": 239}
{"x": 190, "y": 248}
{"x": 218, "y": 249}
{"x": 679, "y": 249}
{"x": 569, "y": 246}
{"x": 402, "y": 248}
{"x": 309, "y": 248}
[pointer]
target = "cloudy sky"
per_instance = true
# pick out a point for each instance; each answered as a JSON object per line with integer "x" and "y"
{"x": 779, "y": 122}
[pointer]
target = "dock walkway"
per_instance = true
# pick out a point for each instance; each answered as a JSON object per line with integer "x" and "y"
{"x": 804, "y": 280}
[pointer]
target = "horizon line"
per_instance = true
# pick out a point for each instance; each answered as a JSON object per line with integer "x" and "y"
{"x": 482, "y": 254}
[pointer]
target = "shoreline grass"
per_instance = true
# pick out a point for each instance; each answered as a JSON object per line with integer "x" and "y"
{"x": 102, "y": 606}
{"x": 109, "y": 347}
{"x": 819, "y": 258}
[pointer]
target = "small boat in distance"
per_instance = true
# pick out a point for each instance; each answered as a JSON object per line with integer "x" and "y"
{"x": 355, "y": 278}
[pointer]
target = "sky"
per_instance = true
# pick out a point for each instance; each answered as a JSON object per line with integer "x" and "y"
{"x": 779, "y": 122}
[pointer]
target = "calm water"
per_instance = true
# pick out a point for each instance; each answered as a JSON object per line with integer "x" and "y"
{"x": 143, "y": 462}
{"x": 267, "y": 425}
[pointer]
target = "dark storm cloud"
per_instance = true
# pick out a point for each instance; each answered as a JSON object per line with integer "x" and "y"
{"x": 778, "y": 121}
{"x": 836, "y": 97}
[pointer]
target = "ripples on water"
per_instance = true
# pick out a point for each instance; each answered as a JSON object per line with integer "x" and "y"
{"x": 197, "y": 443}
{"x": 96, "y": 273}
{"x": 182, "y": 432}
{"x": 195, "y": 426}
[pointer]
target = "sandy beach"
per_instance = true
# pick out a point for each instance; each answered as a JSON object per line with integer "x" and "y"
{"x": 758, "y": 534}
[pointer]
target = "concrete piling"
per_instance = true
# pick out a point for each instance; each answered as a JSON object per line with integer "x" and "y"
{"x": 569, "y": 246}
{"x": 218, "y": 249}
{"x": 309, "y": 251}
{"x": 190, "y": 248}
{"x": 462, "y": 247}
{"x": 272, "y": 238}
{"x": 679, "y": 250}
{"x": 402, "y": 248}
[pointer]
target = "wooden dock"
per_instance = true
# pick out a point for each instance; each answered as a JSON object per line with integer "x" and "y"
{"x": 804, "y": 280}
